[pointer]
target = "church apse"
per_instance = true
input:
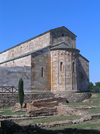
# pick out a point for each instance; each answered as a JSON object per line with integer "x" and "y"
{"x": 64, "y": 75}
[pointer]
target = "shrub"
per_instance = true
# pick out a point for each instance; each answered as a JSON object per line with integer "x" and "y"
{"x": 96, "y": 89}
{"x": 91, "y": 86}
{"x": 20, "y": 92}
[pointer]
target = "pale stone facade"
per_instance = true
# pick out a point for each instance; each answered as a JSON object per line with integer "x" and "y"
{"x": 55, "y": 63}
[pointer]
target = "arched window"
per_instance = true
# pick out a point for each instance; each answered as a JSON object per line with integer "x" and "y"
{"x": 42, "y": 72}
{"x": 61, "y": 66}
{"x": 73, "y": 67}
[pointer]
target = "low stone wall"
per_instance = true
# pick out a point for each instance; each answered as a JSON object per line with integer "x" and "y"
{"x": 77, "y": 97}
{"x": 8, "y": 100}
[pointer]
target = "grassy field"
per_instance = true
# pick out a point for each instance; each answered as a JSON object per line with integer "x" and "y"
{"x": 9, "y": 112}
{"x": 47, "y": 120}
{"x": 92, "y": 125}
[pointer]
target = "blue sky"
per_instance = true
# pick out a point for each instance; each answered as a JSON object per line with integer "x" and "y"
{"x": 23, "y": 19}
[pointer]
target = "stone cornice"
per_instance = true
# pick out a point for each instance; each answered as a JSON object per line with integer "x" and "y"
{"x": 68, "y": 49}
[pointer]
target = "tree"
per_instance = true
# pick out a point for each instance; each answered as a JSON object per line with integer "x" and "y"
{"x": 91, "y": 86}
{"x": 20, "y": 92}
{"x": 97, "y": 84}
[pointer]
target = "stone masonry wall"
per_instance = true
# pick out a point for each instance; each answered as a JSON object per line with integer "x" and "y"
{"x": 83, "y": 74}
{"x": 9, "y": 76}
{"x": 41, "y": 70}
{"x": 63, "y": 35}
{"x": 8, "y": 100}
{"x": 77, "y": 97}
{"x": 24, "y": 61}
{"x": 51, "y": 37}
{"x": 62, "y": 78}
{"x": 26, "y": 47}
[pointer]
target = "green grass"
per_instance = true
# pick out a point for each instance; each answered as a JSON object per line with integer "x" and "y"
{"x": 93, "y": 111}
{"x": 34, "y": 92}
{"x": 93, "y": 124}
{"x": 93, "y": 102}
{"x": 9, "y": 112}
{"x": 48, "y": 120}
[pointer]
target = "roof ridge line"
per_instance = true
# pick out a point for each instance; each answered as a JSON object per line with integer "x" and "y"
{"x": 36, "y": 37}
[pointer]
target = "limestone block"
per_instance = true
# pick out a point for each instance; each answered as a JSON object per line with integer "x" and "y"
{"x": 43, "y": 112}
{"x": 45, "y": 104}
{"x": 30, "y": 107}
{"x": 48, "y": 100}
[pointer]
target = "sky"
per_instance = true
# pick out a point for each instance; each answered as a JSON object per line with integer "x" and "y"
{"x": 21, "y": 20}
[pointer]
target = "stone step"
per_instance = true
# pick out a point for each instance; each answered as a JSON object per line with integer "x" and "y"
{"x": 43, "y": 112}
{"x": 45, "y": 104}
{"x": 42, "y": 104}
{"x": 59, "y": 99}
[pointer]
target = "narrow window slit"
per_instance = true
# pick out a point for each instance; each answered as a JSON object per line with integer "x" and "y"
{"x": 62, "y": 35}
{"x": 61, "y": 66}
{"x": 42, "y": 72}
{"x": 73, "y": 67}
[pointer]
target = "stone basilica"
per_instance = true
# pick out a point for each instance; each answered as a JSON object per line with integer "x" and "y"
{"x": 47, "y": 62}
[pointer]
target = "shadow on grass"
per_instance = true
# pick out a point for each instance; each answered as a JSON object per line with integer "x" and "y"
{"x": 44, "y": 131}
{"x": 68, "y": 131}
{"x": 9, "y": 127}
